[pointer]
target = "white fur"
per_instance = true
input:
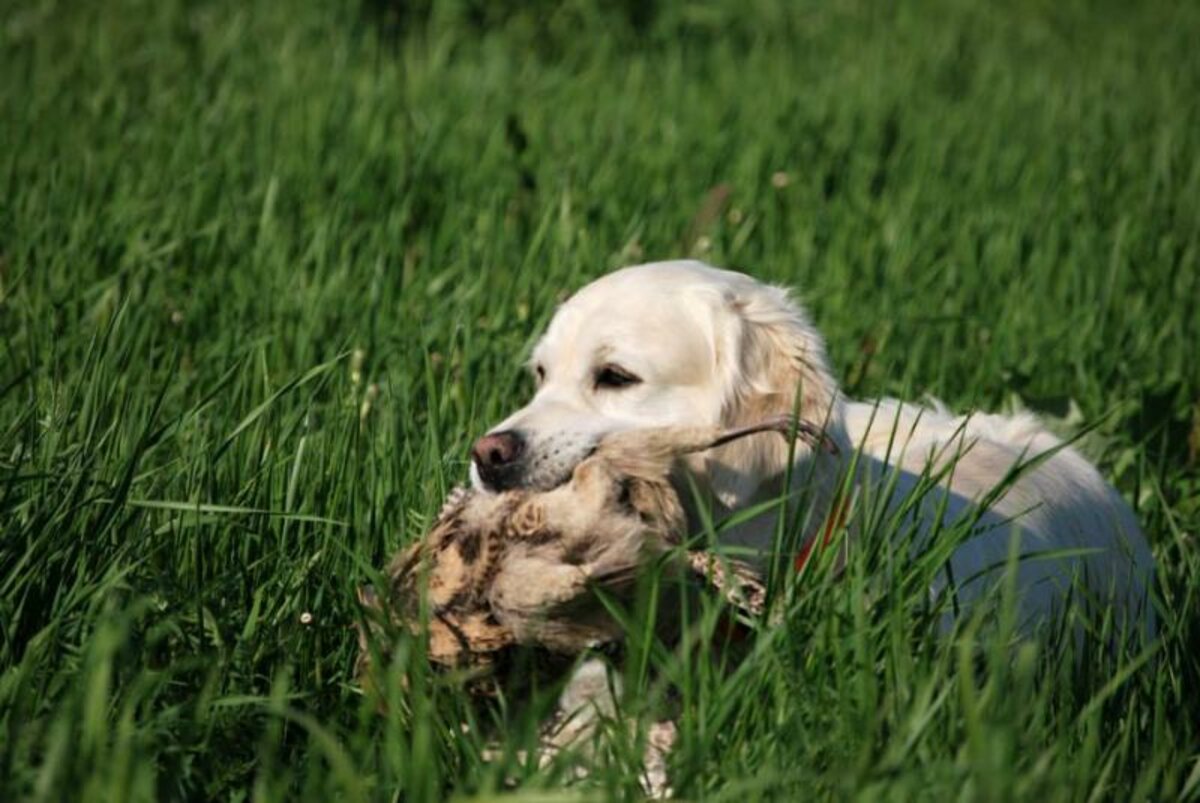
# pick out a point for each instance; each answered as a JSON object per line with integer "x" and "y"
{"x": 715, "y": 347}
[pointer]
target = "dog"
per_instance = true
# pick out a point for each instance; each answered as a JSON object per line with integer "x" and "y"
{"x": 684, "y": 343}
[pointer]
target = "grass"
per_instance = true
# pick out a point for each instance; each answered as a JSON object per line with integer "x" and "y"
{"x": 265, "y": 269}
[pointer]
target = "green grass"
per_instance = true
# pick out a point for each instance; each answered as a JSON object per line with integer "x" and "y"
{"x": 206, "y": 208}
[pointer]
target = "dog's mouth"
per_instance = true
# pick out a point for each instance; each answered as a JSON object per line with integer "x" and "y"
{"x": 553, "y": 475}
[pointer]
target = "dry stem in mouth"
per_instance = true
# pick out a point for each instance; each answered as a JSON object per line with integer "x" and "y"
{"x": 807, "y": 431}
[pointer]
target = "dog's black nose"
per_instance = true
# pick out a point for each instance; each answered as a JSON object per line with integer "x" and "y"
{"x": 496, "y": 456}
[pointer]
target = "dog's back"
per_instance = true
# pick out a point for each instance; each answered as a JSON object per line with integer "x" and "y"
{"x": 1074, "y": 527}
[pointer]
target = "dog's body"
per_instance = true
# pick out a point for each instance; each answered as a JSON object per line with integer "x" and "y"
{"x": 682, "y": 343}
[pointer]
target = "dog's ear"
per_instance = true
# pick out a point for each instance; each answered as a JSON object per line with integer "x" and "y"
{"x": 771, "y": 361}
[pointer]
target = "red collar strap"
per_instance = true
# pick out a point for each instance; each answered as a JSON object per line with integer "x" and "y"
{"x": 836, "y": 520}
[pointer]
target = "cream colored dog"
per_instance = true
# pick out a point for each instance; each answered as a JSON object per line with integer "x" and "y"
{"x": 683, "y": 343}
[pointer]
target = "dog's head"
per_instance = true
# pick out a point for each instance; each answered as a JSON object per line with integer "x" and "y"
{"x": 666, "y": 344}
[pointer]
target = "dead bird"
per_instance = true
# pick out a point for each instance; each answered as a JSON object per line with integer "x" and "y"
{"x": 521, "y": 568}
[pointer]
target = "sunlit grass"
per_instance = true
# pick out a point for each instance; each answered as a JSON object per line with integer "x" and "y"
{"x": 265, "y": 270}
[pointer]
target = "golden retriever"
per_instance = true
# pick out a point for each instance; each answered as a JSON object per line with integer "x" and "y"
{"x": 682, "y": 343}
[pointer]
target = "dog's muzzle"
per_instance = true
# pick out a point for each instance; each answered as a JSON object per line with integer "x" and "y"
{"x": 510, "y": 459}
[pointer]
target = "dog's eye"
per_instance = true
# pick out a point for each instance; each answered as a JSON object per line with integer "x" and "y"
{"x": 539, "y": 371}
{"x": 614, "y": 376}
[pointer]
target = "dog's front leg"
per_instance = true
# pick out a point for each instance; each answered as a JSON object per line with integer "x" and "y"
{"x": 589, "y": 698}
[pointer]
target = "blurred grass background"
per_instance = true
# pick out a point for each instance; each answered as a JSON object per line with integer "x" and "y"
{"x": 266, "y": 269}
